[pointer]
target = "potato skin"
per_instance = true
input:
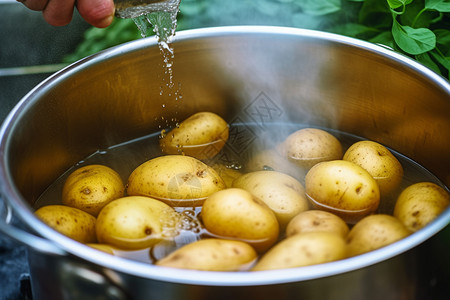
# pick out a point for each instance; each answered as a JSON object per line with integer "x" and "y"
{"x": 317, "y": 220}
{"x": 227, "y": 174}
{"x": 211, "y": 255}
{"x": 309, "y": 146}
{"x": 202, "y": 136}
{"x": 303, "y": 249}
{"x": 91, "y": 187}
{"x": 420, "y": 203}
{"x": 177, "y": 180}
{"x": 284, "y": 195}
{"x": 135, "y": 222}
{"x": 342, "y": 188}
{"x": 70, "y": 221}
{"x": 237, "y": 214}
{"x": 271, "y": 159}
{"x": 379, "y": 162}
{"x": 374, "y": 232}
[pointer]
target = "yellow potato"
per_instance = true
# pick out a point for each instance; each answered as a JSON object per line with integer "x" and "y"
{"x": 91, "y": 187}
{"x": 271, "y": 160}
{"x": 374, "y": 232}
{"x": 303, "y": 249}
{"x": 202, "y": 136}
{"x": 309, "y": 146}
{"x": 237, "y": 214}
{"x": 421, "y": 203}
{"x": 70, "y": 221}
{"x": 177, "y": 180}
{"x": 379, "y": 162}
{"x": 227, "y": 174}
{"x": 284, "y": 195}
{"x": 211, "y": 255}
{"x": 317, "y": 220}
{"x": 343, "y": 188}
{"x": 136, "y": 222}
{"x": 102, "y": 247}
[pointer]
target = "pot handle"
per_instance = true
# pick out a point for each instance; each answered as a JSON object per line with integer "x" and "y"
{"x": 36, "y": 243}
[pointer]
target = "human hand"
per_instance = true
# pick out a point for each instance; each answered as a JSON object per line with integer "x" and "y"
{"x": 98, "y": 13}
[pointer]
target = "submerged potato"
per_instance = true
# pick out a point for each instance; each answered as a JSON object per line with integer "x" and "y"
{"x": 135, "y": 222}
{"x": 343, "y": 188}
{"x": 284, "y": 195}
{"x": 309, "y": 146}
{"x": 211, "y": 255}
{"x": 374, "y": 232}
{"x": 91, "y": 187}
{"x": 379, "y": 162}
{"x": 421, "y": 203}
{"x": 202, "y": 136}
{"x": 175, "y": 179}
{"x": 237, "y": 214}
{"x": 227, "y": 174}
{"x": 317, "y": 220}
{"x": 303, "y": 249}
{"x": 271, "y": 160}
{"x": 70, "y": 221}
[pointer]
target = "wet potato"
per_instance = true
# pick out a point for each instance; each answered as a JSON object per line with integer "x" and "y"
{"x": 317, "y": 221}
{"x": 202, "y": 136}
{"x": 91, "y": 187}
{"x": 176, "y": 179}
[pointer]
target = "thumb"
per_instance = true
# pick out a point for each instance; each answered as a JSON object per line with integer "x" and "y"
{"x": 99, "y": 13}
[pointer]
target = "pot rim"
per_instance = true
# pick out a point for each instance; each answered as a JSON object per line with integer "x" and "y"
{"x": 24, "y": 211}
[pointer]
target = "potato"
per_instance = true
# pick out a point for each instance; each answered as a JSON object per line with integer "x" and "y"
{"x": 211, "y": 255}
{"x": 102, "y": 247}
{"x": 343, "y": 188}
{"x": 379, "y": 162}
{"x": 70, "y": 221}
{"x": 237, "y": 214}
{"x": 90, "y": 188}
{"x": 202, "y": 136}
{"x": 284, "y": 195}
{"x": 303, "y": 249}
{"x": 270, "y": 159}
{"x": 177, "y": 180}
{"x": 136, "y": 222}
{"x": 420, "y": 203}
{"x": 317, "y": 220}
{"x": 227, "y": 174}
{"x": 309, "y": 146}
{"x": 374, "y": 232}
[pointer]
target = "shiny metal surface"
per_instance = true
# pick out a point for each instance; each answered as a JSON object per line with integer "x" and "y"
{"x": 306, "y": 77}
{"x": 135, "y": 8}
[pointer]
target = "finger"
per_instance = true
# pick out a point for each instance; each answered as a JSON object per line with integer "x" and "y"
{"x": 58, "y": 12}
{"x": 38, "y": 5}
{"x": 99, "y": 13}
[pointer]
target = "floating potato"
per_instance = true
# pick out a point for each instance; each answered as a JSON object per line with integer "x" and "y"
{"x": 421, "y": 203}
{"x": 343, "y": 188}
{"x": 379, "y": 162}
{"x": 237, "y": 214}
{"x": 70, "y": 221}
{"x": 284, "y": 195}
{"x": 227, "y": 174}
{"x": 309, "y": 146}
{"x": 177, "y": 180}
{"x": 211, "y": 255}
{"x": 202, "y": 136}
{"x": 136, "y": 222}
{"x": 304, "y": 249}
{"x": 317, "y": 220}
{"x": 90, "y": 188}
{"x": 374, "y": 232}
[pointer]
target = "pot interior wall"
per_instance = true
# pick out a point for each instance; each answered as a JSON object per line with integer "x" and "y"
{"x": 256, "y": 77}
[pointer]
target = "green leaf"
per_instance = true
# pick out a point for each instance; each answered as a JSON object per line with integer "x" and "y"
{"x": 397, "y": 3}
{"x": 319, "y": 7}
{"x": 426, "y": 60}
{"x": 443, "y": 37}
{"x": 439, "y": 5}
{"x": 413, "y": 40}
{"x": 385, "y": 38}
{"x": 444, "y": 61}
{"x": 352, "y": 29}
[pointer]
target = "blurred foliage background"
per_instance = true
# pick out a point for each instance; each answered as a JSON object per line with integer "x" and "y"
{"x": 416, "y": 28}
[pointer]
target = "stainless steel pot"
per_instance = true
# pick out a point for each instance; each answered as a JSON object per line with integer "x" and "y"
{"x": 262, "y": 75}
